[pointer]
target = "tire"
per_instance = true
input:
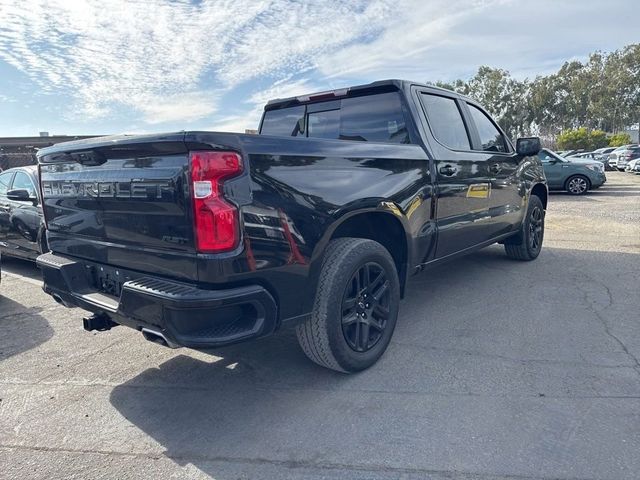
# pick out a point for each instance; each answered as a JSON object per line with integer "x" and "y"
{"x": 527, "y": 244}
{"x": 347, "y": 331}
{"x": 577, "y": 185}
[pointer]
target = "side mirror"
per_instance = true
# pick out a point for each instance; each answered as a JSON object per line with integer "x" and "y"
{"x": 20, "y": 195}
{"x": 528, "y": 146}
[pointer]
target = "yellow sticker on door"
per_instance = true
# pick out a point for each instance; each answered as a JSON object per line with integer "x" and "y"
{"x": 479, "y": 190}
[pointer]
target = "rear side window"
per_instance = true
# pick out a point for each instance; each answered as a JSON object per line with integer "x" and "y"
{"x": 5, "y": 178}
{"x": 286, "y": 122}
{"x": 446, "y": 121}
{"x": 371, "y": 118}
{"x": 490, "y": 137}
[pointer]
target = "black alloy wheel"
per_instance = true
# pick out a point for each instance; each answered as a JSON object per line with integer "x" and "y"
{"x": 536, "y": 217}
{"x": 365, "y": 307}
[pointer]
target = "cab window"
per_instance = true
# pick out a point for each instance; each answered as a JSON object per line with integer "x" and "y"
{"x": 445, "y": 120}
{"x": 378, "y": 117}
{"x": 491, "y": 138}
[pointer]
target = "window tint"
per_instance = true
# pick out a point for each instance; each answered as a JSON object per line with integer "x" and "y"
{"x": 446, "y": 121}
{"x": 5, "y": 178}
{"x": 490, "y": 137}
{"x": 288, "y": 122}
{"x": 22, "y": 181}
{"x": 371, "y": 118}
{"x": 324, "y": 124}
{"x": 374, "y": 118}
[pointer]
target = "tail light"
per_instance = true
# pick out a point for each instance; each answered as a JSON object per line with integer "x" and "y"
{"x": 215, "y": 220}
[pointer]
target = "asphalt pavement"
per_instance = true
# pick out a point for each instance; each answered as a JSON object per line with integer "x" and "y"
{"x": 535, "y": 374}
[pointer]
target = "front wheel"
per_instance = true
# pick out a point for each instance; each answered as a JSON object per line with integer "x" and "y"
{"x": 527, "y": 244}
{"x": 577, "y": 185}
{"x": 355, "y": 309}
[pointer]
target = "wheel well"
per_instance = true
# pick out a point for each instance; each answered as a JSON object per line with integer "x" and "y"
{"x": 383, "y": 228}
{"x": 540, "y": 191}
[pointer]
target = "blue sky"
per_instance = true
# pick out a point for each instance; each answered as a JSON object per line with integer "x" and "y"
{"x": 98, "y": 67}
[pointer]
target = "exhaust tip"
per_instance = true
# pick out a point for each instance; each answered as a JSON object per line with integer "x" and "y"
{"x": 57, "y": 299}
{"x": 157, "y": 337}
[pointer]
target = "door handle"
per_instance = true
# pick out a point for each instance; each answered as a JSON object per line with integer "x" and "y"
{"x": 4, "y": 208}
{"x": 495, "y": 168}
{"x": 448, "y": 170}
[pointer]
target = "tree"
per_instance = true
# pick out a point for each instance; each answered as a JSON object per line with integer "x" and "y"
{"x": 619, "y": 139}
{"x": 601, "y": 95}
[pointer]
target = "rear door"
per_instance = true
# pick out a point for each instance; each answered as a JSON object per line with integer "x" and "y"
{"x": 462, "y": 180}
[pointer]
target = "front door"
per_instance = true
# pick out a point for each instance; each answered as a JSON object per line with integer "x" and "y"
{"x": 507, "y": 194}
{"x": 554, "y": 168}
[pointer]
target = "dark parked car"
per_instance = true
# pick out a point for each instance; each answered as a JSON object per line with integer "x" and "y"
{"x": 202, "y": 239}
{"x": 21, "y": 222}
{"x": 575, "y": 175}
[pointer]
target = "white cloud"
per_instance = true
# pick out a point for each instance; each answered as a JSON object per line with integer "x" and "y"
{"x": 185, "y": 107}
{"x": 124, "y": 53}
{"x": 446, "y": 39}
{"x": 173, "y": 61}
{"x": 250, "y": 118}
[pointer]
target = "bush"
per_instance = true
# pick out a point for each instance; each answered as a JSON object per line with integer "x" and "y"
{"x": 619, "y": 139}
{"x": 581, "y": 138}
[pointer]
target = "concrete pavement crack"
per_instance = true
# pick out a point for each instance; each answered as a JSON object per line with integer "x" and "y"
{"x": 607, "y": 328}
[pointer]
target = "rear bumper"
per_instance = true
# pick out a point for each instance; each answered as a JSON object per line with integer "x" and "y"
{"x": 183, "y": 314}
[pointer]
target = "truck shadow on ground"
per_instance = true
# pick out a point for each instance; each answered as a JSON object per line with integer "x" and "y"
{"x": 24, "y": 268}
{"x": 21, "y": 328}
{"x": 265, "y": 400}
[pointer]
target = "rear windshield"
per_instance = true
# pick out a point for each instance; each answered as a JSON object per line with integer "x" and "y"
{"x": 371, "y": 118}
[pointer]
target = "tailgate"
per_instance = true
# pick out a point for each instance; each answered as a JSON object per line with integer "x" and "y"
{"x": 121, "y": 201}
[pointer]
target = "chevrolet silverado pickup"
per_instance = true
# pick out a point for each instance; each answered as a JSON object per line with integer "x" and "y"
{"x": 202, "y": 239}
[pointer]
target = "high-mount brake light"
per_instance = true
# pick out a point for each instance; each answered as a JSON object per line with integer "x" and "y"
{"x": 216, "y": 221}
{"x": 323, "y": 95}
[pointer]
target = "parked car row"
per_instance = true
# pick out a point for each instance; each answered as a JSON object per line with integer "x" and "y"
{"x": 613, "y": 158}
{"x": 618, "y": 158}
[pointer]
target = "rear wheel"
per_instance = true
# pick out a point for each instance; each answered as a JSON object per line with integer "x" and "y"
{"x": 577, "y": 185}
{"x": 527, "y": 244}
{"x": 356, "y": 306}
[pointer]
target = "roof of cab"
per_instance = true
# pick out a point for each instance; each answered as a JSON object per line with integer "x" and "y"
{"x": 404, "y": 85}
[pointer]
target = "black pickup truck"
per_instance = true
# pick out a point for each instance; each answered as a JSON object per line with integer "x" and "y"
{"x": 201, "y": 239}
